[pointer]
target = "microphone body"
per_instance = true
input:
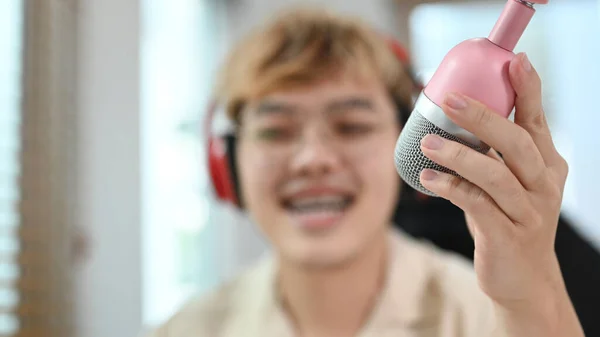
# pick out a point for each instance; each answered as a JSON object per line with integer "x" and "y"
{"x": 477, "y": 68}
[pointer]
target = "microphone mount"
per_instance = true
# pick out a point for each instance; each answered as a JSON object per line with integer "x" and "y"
{"x": 526, "y": 3}
{"x": 512, "y": 23}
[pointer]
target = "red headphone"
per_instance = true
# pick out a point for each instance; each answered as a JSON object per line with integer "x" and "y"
{"x": 220, "y": 165}
{"x": 221, "y": 148}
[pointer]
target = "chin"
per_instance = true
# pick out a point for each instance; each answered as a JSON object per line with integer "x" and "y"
{"x": 334, "y": 248}
{"x": 321, "y": 253}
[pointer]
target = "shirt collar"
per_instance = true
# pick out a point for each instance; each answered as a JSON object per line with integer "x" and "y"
{"x": 407, "y": 300}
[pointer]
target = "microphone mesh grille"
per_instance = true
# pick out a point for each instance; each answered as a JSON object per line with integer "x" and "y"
{"x": 410, "y": 160}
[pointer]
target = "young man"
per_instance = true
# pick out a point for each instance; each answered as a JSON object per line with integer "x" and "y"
{"x": 316, "y": 100}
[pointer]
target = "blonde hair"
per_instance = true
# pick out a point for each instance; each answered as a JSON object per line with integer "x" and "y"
{"x": 302, "y": 46}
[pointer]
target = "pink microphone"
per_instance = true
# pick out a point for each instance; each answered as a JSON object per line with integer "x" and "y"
{"x": 477, "y": 68}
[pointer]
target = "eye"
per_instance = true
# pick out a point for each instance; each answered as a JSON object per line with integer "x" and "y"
{"x": 354, "y": 129}
{"x": 274, "y": 133}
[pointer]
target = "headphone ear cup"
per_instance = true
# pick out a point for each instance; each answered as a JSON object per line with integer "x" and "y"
{"x": 219, "y": 169}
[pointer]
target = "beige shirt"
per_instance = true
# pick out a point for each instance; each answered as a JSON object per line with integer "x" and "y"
{"x": 428, "y": 293}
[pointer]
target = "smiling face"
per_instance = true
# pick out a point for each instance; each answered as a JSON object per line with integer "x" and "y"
{"x": 316, "y": 168}
{"x": 311, "y": 93}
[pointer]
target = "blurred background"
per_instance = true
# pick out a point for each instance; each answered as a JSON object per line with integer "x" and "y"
{"x": 107, "y": 221}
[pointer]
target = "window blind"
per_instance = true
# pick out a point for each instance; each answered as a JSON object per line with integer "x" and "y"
{"x": 11, "y": 14}
{"x": 37, "y": 121}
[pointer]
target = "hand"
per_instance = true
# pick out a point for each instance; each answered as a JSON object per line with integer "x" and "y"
{"x": 512, "y": 204}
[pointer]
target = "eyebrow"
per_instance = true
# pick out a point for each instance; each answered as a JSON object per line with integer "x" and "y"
{"x": 350, "y": 103}
{"x": 274, "y": 107}
{"x": 269, "y": 107}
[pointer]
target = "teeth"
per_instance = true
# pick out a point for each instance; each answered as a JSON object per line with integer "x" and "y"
{"x": 334, "y": 203}
{"x": 317, "y": 200}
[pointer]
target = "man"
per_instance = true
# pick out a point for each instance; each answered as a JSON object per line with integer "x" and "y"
{"x": 317, "y": 101}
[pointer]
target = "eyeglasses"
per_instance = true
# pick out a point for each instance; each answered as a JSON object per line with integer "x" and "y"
{"x": 353, "y": 134}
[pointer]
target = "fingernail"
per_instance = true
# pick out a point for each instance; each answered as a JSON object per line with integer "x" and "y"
{"x": 429, "y": 175}
{"x": 432, "y": 142}
{"x": 455, "y": 101}
{"x": 525, "y": 63}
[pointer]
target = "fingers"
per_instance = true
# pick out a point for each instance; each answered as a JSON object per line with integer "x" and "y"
{"x": 471, "y": 199}
{"x": 519, "y": 151}
{"x": 489, "y": 174}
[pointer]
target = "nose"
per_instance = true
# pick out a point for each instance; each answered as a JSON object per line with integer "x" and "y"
{"x": 316, "y": 155}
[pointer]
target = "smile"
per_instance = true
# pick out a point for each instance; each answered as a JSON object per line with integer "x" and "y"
{"x": 319, "y": 204}
{"x": 317, "y": 212}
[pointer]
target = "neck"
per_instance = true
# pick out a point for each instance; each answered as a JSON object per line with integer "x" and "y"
{"x": 334, "y": 301}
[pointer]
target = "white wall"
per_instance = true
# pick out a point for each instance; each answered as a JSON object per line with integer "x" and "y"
{"x": 108, "y": 287}
{"x": 247, "y": 13}
{"x": 576, "y": 31}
